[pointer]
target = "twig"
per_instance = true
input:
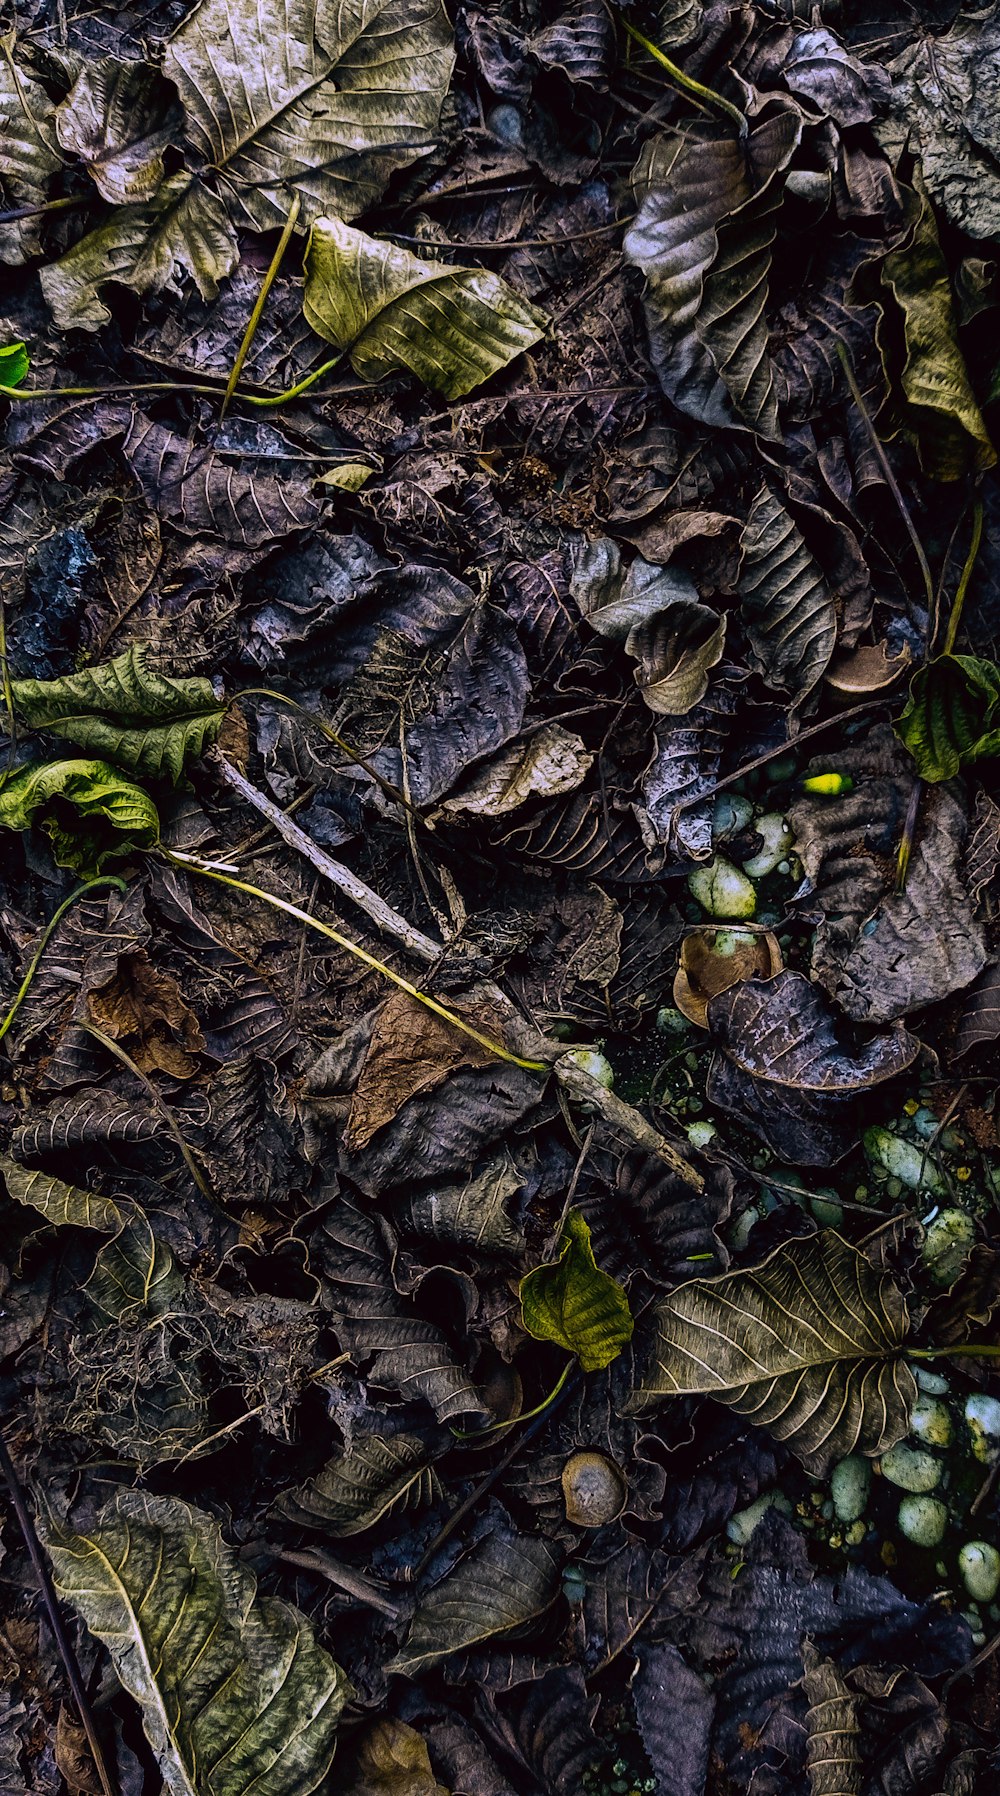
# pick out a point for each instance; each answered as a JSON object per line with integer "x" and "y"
{"x": 890, "y": 478}
{"x": 167, "y": 1114}
{"x": 738, "y": 773}
{"x": 696, "y": 90}
{"x": 381, "y": 914}
{"x": 344, "y": 1576}
{"x": 623, "y": 1117}
{"x": 51, "y": 1602}
{"x": 261, "y": 301}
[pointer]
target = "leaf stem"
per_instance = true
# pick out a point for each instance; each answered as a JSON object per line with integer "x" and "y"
{"x": 338, "y": 741}
{"x": 480, "y": 1434}
{"x": 695, "y": 89}
{"x": 190, "y": 865}
{"x": 51, "y": 1602}
{"x": 261, "y": 301}
{"x": 890, "y": 479}
{"x": 968, "y": 1350}
{"x": 90, "y": 885}
{"x": 963, "y": 584}
{"x": 126, "y": 389}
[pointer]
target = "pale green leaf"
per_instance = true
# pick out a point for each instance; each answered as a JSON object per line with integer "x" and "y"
{"x": 29, "y": 157}
{"x": 89, "y": 811}
{"x": 575, "y": 1304}
{"x": 505, "y": 1582}
{"x": 184, "y": 230}
{"x": 357, "y": 1488}
{"x": 326, "y": 98}
{"x": 807, "y": 1345}
{"x": 942, "y": 411}
{"x": 952, "y": 716}
{"x": 61, "y": 1205}
{"x": 126, "y": 712}
{"x": 134, "y": 1272}
{"x": 451, "y": 327}
{"x": 237, "y": 1697}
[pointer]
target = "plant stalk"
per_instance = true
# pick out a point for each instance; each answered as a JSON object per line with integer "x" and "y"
{"x": 91, "y": 885}
{"x": 261, "y": 301}
{"x": 963, "y": 584}
{"x": 702, "y": 96}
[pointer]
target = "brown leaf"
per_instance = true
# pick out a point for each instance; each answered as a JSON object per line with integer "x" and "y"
{"x": 144, "y": 1010}
{"x": 714, "y": 959}
{"x": 393, "y": 1760}
{"x": 411, "y": 1050}
{"x": 73, "y": 1756}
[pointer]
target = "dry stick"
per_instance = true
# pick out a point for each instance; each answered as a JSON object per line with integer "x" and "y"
{"x": 815, "y": 729}
{"x": 51, "y": 1602}
{"x": 623, "y": 1117}
{"x": 164, "y": 1108}
{"x": 381, "y": 914}
{"x": 890, "y": 478}
{"x": 255, "y": 316}
{"x": 344, "y": 1576}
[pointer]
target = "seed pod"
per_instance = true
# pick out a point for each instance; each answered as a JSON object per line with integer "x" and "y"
{"x": 594, "y": 1489}
{"x": 828, "y": 785}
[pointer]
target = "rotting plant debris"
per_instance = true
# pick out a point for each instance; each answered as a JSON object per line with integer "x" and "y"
{"x": 500, "y": 924}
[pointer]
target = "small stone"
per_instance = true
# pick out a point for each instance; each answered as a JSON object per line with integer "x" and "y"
{"x": 934, "y": 1383}
{"x": 829, "y": 1213}
{"x": 982, "y": 1418}
{"x": 850, "y": 1482}
{"x": 902, "y": 1160}
{"x": 722, "y": 890}
{"x": 923, "y": 1520}
{"x": 671, "y": 1022}
{"x": 740, "y": 1527}
{"x": 930, "y": 1421}
{"x": 911, "y": 1469}
{"x": 979, "y": 1564}
{"x": 948, "y": 1243}
{"x": 925, "y": 1122}
{"x": 776, "y": 840}
{"x": 855, "y": 1534}
{"x": 784, "y": 868}
{"x": 731, "y": 814}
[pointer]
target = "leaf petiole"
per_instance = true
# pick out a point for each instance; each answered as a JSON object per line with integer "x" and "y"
{"x": 480, "y": 1434}
{"x": 90, "y": 885}
{"x": 704, "y": 96}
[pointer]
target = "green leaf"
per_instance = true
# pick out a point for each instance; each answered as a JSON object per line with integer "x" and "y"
{"x": 942, "y": 412}
{"x": 236, "y": 1695}
{"x": 90, "y": 812}
{"x": 807, "y": 1345}
{"x": 952, "y": 715}
{"x": 14, "y": 364}
{"x": 184, "y": 230}
{"x": 326, "y": 98}
{"x": 358, "y": 1488}
{"x": 126, "y": 712}
{"x": 572, "y": 1302}
{"x": 452, "y": 327}
{"x": 61, "y": 1205}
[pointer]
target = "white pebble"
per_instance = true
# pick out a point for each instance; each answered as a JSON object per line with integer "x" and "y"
{"x": 947, "y": 1245}
{"x": 930, "y": 1421}
{"x": 979, "y": 1564}
{"x": 777, "y": 840}
{"x": 923, "y": 1520}
{"x": 850, "y": 1482}
{"x": 982, "y": 1418}
{"x": 740, "y": 1527}
{"x": 722, "y": 890}
{"x": 910, "y": 1468}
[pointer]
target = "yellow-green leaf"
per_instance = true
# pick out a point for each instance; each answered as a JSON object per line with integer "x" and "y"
{"x": 60, "y": 1204}
{"x": 451, "y": 327}
{"x": 575, "y": 1304}
{"x": 89, "y": 811}
{"x": 237, "y": 1697}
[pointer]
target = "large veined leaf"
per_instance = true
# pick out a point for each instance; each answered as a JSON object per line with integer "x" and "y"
{"x": 952, "y": 715}
{"x": 952, "y": 439}
{"x": 236, "y": 1695}
{"x": 703, "y": 238}
{"x": 452, "y": 327}
{"x": 89, "y": 811}
{"x": 126, "y": 712}
{"x": 183, "y": 230}
{"x": 355, "y": 1489}
{"x": 59, "y": 1203}
{"x": 787, "y": 606}
{"x": 575, "y": 1304}
{"x": 29, "y": 157}
{"x": 506, "y": 1581}
{"x": 782, "y": 1069}
{"x": 325, "y": 98}
{"x": 807, "y": 1345}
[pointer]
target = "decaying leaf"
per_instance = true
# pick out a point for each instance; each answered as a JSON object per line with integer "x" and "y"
{"x": 808, "y": 1345}
{"x": 714, "y": 959}
{"x": 393, "y": 1760}
{"x": 59, "y": 1203}
{"x": 834, "y": 1754}
{"x": 549, "y": 761}
{"x": 119, "y": 118}
{"x": 235, "y": 1692}
{"x": 950, "y": 717}
{"x": 506, "y": 1581}
{"x": 780, "y": 1067}
{"x": 786, "y": 602}
{"x": 575, "y": 1304}
{"x": 377, "y": 1476}
{"x": 29, "y": 157}
{"x": 388, "y": 310}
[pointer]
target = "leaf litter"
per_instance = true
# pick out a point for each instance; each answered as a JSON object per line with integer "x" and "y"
{"x": 500, "y": 671}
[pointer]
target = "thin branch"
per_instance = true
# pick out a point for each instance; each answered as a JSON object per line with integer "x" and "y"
{"x": 963, "y": 584}
{"x": 167, "y": 1114}
{"x": 624, "y": 1118}
{"x": 51, "y": 1602}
